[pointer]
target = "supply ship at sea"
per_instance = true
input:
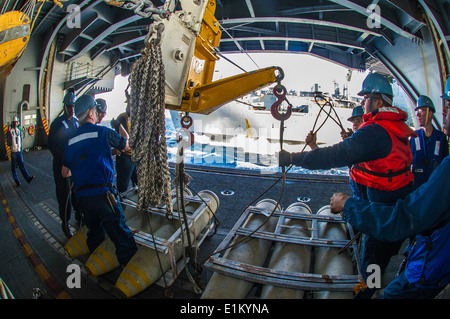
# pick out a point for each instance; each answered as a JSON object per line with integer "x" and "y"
{"x": 251, "y": 116}
{"x": 233, "y": 233}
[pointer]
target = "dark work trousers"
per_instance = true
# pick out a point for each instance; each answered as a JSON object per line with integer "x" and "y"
{"x": 100, "y": 216}
{"x": 126, "y": 171}
{"x": 17, "y": 160}
{"x": 62, "y": 185}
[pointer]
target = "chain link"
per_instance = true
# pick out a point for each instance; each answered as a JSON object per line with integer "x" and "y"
{"x": 143, "y": 8}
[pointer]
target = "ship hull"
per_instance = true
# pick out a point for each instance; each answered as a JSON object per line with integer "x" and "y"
{"x": 240, "y": 120}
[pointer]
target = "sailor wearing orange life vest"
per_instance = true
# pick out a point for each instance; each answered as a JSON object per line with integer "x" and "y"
{"x": 381, "y": 157}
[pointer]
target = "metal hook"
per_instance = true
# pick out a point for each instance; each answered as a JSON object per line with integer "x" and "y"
{"x": 280, "y": 92}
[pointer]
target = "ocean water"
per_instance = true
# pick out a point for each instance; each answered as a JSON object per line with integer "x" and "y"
{"x": 239, "y": 152}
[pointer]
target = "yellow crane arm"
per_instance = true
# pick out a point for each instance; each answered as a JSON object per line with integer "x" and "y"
{"x": 207, "y": 98}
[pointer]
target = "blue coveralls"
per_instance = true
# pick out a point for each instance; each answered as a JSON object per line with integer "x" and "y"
{"x": 427, "y": 154}
{"x": 60, "y": 131}
{"x": 366, "y": 144}
{"x": 88, "y": 155}
{"x": 425, "y": 214}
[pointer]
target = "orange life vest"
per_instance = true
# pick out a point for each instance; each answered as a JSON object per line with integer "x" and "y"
{"x": 393, "y": 171}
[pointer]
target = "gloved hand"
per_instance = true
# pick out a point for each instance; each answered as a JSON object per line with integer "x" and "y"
{"x": 337, "y": 202}
{"x": 284, "y": 158}
{"x": 346, "y": 134}
{"x": 311, "y": 140}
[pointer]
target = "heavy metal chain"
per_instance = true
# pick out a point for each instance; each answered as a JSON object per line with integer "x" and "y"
{"x": 143, "y": 8}
{"x": 147, "y": 128}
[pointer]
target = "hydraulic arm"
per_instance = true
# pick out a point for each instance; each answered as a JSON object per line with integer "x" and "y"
{"x": 189, "y": 34}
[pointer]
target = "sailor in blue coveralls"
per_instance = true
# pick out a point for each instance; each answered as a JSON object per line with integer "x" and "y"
{"x": 60, "y": 130}
{"x": 88, "y": 157}
{"x": 430, "y": 147}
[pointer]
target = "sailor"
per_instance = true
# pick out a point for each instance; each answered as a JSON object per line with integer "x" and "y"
{"x": 430, "y": 147}
{"x": 125, "y": 167}
{"x": 101, "y": 109}
{"x": 88, "y": 158}
{"x": 356, "y": 119}
{"x": 60, "y": 130}
{"x": 380, "y": 157}
{"x": 425, "y": 214}
{"x": 14, "y": 140}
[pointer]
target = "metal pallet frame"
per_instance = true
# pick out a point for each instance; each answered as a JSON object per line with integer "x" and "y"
{"x": 166, "y": 246}
{"x": 286, "y": 279}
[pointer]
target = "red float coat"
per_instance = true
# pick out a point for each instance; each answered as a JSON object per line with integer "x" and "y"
{"x": 393, "y": 171}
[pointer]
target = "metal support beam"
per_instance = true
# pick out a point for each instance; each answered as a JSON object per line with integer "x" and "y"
{"x": 324, "y": 23}
{"x": 384, "y": 21}
{"x": 438, "y": 27}
{"x": 104, "y": 34}
{"x": 77, "y": 32}
{"x": 298, "y": 39}
{"x": 250, "y": 8}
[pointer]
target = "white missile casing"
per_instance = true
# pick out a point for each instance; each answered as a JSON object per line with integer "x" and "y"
{"x": 76, "y": 245}
{"x": 290, "y": 257}
{"x": 253, "y": 252}
{"x": 327, "y": 261}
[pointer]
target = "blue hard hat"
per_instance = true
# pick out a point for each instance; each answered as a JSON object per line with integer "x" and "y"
{"x": 425, "y": 101}
{"x": 101, "y": 105}
{"x": 69, "y": 98}
{"x": 446, "y": 94}
{"x": 84, "y": 103}
{"x": 357, "y": 112}
{"x": 376, "y": 83}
